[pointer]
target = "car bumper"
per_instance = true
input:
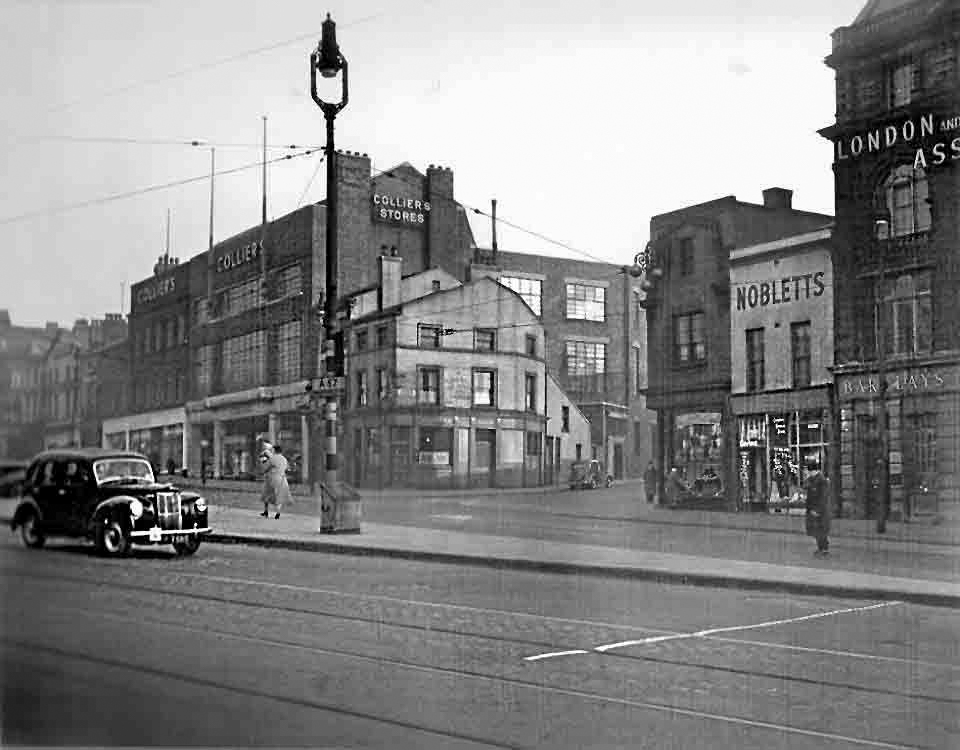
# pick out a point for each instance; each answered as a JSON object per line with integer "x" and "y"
{"x": 158, "y": 535}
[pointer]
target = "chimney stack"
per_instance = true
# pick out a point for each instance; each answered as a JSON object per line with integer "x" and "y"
{"x": 391, "y": 266}
{"x": 777, "y": 197}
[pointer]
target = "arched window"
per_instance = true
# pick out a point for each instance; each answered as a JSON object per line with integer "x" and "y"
{"x": 905, "y": 196}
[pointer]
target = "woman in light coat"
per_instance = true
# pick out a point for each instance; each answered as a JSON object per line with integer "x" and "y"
{"x": 275, "y": 487}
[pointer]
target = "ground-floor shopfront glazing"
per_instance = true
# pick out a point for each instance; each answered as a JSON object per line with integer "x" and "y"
{"x": 922, "y": 439}
{"x": 157, "y": 435}
{"x": 406, "y": 448}
{"x": 694, "y": 439}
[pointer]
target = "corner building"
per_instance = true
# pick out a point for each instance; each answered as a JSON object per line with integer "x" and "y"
{"x": 896, "y": 166}
{"x": 223, "y": 346}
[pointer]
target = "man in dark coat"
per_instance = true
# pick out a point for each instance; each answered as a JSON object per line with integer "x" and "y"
{"x": 817, "y": 489}
{"x": 650, "y": 482}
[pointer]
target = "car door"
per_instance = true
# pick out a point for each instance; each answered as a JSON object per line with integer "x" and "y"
{"x": 50, "y": 493}
{"x": 75, "y": 496}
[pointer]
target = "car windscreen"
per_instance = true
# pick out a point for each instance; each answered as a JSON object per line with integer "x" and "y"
{"x": 115, "y": 469}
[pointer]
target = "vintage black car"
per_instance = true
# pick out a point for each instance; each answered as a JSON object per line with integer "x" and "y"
{"x": 110, "y": 497}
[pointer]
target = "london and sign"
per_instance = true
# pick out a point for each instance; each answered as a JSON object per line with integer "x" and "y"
{"x": 395, "y": 208}
{"x": 930, "y": 135}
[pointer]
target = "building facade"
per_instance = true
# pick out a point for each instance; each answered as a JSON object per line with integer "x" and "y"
{"x": 896, "y": 168}
{"x": 781, "y": 344}
{"x": 688, "y": 303}
{"x": 447, "y": 386}
{"x": 223, "y": 346}
{"x": 595, "y": 332}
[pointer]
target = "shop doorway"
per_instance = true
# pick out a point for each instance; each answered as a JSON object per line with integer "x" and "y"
{"x": 485, "y": 458}
{"x": 618, "y": 460}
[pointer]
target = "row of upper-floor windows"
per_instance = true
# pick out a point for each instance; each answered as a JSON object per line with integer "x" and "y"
{"x": 430, "y": 390}
{"x": 159, "y": 335}
{"x": 250, "y": 294}
{"x": 891, "y": 85}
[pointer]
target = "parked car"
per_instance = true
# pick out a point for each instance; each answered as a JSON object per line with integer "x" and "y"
{"x": 589, "y": 475}
{"x": 12, "y": 472}
{"x": 110, "y": 497}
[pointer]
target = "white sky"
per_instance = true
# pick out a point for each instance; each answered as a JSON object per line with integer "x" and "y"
{"x": 582, "y": 120}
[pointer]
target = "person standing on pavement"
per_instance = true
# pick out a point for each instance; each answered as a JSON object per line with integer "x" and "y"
{"x": 817, "y": 489}
{"x": 879, "y": 499}
{"x": 275, "y": 487}
{"x": 650, "y": 482}
{"x": 675, "y": 487}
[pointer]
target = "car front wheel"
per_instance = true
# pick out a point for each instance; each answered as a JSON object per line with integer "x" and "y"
{"x": 30, "y": 531}
{"x": 112, "y": 538}
{"x": 188, "y": 546}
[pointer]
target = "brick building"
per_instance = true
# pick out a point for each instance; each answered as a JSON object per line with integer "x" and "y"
{"x": 223, "y": 346}
{"x": 595, "y": 331}
{"x": 897, "y": 270}
{"x": 688, "y": 302}
{"x": 447, "y": 386}
{"x": 781, "y": 341}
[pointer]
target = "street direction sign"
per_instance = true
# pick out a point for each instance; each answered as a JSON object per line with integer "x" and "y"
{"x": 330, "y": 384}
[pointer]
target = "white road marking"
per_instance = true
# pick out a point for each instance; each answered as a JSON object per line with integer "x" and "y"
{"x": 556, "y": 653}
{"x": 663, "y": 708}
{"x": 713, "y": 631}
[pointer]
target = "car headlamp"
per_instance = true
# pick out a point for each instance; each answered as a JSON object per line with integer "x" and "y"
{"x": 200, "y": 504}
{"x": 136, "y": 508}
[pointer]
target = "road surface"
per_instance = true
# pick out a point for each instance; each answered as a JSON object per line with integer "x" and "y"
{"x": 245, "y": 646}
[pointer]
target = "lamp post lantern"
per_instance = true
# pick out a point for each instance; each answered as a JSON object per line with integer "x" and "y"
{"x": 328, "y": 61}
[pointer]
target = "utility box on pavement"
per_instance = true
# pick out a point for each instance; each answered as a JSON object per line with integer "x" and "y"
{"x": 340, "y": 509}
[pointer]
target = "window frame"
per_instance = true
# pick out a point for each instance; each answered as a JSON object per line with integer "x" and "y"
{"x": 691, "y": 342}
{"x": 755, "y": 358}
{"x": 801, "y": 356}
{"x": 530, "y": 391}
{"x": 485, "y": 332}
{"x": 491, "y": 390}
{"x": 582, "y": 307}
{"x": 427, "y": 328}
{"x": 423, "y": 371}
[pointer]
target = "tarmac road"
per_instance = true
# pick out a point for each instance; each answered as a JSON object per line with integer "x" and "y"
{"x": 246, "y": 646}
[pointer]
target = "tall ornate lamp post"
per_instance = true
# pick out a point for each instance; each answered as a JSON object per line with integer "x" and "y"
{"x": 328, "y": 61}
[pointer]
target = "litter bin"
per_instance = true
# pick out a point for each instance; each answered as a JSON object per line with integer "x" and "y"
{"x": 340, "y": 510}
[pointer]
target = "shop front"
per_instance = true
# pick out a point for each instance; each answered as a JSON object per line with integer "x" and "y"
{"x": 772, "y": 453}
{"x": 922, "y": 439}
{"x": 697, "y": 451}
{"x": 161, "y": 436}
{"x": 228, "y": 432}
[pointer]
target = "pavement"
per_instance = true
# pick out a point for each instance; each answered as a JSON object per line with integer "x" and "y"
{"x": 866, "y": 575}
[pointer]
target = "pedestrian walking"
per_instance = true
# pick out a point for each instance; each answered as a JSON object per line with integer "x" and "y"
{"x": 817, "y": 489}
{"x": 676, "y": 487}
{"x": 275, "y": 487}
{"x": 203, "y": 472}
{"x": 650, "y": 482}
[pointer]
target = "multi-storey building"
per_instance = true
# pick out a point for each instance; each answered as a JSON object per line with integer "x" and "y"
{"x": 224, "y": 345}
{"x": 897, "y": 269}
{"x": 688, "y": 307}
{"x": 53, "y": 384}
{"x": 595, "y": 339}
{"x": 781, "y": 342}
{"x": 447, "y": 386}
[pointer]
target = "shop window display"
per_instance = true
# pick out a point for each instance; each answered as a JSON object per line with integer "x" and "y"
{"x": 698, "y": 451}
{"x": 773, "y": 450}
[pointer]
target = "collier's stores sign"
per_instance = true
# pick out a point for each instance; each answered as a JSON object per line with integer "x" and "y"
{"x": 397, "y": 209}
{"x": 922, "y": 132}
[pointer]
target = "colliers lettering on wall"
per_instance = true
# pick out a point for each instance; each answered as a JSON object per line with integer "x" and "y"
{"x": 156, "y": 289}
{"x": 239, "y": 256}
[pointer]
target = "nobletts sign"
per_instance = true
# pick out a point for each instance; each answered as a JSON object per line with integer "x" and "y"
{"x": 920, "y": 131}
{"x": 780, "y": 291}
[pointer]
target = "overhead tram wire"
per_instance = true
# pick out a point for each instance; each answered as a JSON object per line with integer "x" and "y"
{"x": 153, "y": 188}
{"x": 163, "y": 142}
{"x": 200, "y": 67}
